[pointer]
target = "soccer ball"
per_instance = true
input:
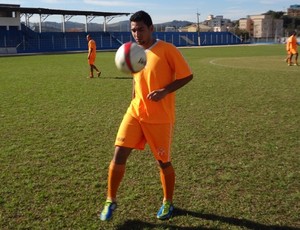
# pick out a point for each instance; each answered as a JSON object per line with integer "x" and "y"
{"x": 130, "y": 58}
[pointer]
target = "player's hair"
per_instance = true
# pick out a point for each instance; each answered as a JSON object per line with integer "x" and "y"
{"x": 141, "y": 16}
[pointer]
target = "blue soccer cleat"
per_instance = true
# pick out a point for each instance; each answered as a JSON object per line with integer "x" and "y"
{"x": 165, "y": 211}
{"x": 107, "y": 211}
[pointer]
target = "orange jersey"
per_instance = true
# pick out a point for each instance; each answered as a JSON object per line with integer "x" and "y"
{"x": 92, "y": 47}
{"x": 164, "y": 65}
{"x": 291, "y": 44}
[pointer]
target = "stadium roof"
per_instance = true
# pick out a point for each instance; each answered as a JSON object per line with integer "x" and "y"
{"x": 29, "y": 10}
{"x": 66, "y": 13}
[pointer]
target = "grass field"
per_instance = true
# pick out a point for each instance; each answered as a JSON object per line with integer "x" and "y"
{"x": 235, "y": 150}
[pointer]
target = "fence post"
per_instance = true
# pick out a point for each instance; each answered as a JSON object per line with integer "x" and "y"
{"x": 24, "y": 45}
{"x": 65, "y": 40}
{"x": 39, "y": 41}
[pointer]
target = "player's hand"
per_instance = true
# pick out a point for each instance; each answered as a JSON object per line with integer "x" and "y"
{"x": 157, "y": 95}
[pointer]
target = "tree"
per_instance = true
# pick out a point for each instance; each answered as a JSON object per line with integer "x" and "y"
{"x": 244, "y": 34}
{"x": 289, "y": 23}
{"x": 274, "y": 14}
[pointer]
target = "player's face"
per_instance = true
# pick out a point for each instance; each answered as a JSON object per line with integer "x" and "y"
{"x": 142, "y": 34}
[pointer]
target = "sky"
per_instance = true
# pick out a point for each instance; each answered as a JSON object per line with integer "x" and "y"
{"x": 160, "y": 10}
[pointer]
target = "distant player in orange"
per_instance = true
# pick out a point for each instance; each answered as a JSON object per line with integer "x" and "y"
{"x": 92, "y": 50}
{"x": 292, "y": 49}
{"x": 150, "y": 116}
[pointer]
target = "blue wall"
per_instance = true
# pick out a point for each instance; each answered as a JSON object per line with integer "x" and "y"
{"x": 28, "y": 41}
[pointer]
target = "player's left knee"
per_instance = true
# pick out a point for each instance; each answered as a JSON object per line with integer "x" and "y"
{"x": 164, "y": 165}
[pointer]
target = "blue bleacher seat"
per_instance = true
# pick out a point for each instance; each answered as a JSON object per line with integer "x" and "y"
{"x": 27, "y": 40}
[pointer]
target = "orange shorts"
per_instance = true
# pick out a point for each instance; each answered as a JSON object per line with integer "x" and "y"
{"x": 293, "y": 51}
{"x": 91, "y": 60}
{"x": 135, "y": 134}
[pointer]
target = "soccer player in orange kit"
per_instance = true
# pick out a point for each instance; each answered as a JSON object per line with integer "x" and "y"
{"x": 92, "y": 50}
{"x": 150, "y": 116}
{"x": 292, "y": 49}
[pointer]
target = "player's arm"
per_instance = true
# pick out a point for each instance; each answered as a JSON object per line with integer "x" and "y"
{"x": 90, "y": 52}
{"x": 177, "y": 84}
{"x": 287, "y": 46}
{"x": 159, "y": 94}
{"x": 133, "y": 91}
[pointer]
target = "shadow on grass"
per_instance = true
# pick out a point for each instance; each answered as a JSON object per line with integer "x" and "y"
{"x": 109, "y": 78}
{"x": 118, "y": 78}
{"x": 243, "y": 223}
{"x": 124, "y": 78}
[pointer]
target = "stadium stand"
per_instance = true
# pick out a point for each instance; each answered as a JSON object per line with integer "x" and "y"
{"x": 28, "y": 41}
{"x": 19, "y": 38}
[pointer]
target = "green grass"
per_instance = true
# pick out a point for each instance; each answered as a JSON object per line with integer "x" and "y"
{"x": 235, "y": 150}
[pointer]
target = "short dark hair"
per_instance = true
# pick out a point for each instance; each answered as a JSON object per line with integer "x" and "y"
{"x": 141, "y": 16}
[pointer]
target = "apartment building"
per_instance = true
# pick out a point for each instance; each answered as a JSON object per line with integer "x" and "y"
{"x": 218, "y": 23}
{"x": 262, "y": 26}
{"x": 293, "y": 11}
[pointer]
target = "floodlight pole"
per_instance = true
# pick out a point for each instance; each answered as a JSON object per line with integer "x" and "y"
{"x": 198, "y": 29}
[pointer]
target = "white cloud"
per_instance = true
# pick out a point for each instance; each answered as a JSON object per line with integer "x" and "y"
{"x": 272, "y": 2}
{"x": 51, "y": 1}
{"x": 110, "y": 3}
{"x": 10, "y": 2}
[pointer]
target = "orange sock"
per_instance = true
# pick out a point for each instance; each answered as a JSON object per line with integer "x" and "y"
{"x": 167, "y": 177}
{"x": 115, "y": 176}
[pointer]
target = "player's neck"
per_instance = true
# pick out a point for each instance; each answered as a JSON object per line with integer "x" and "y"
{"x": 151, "y": 42}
